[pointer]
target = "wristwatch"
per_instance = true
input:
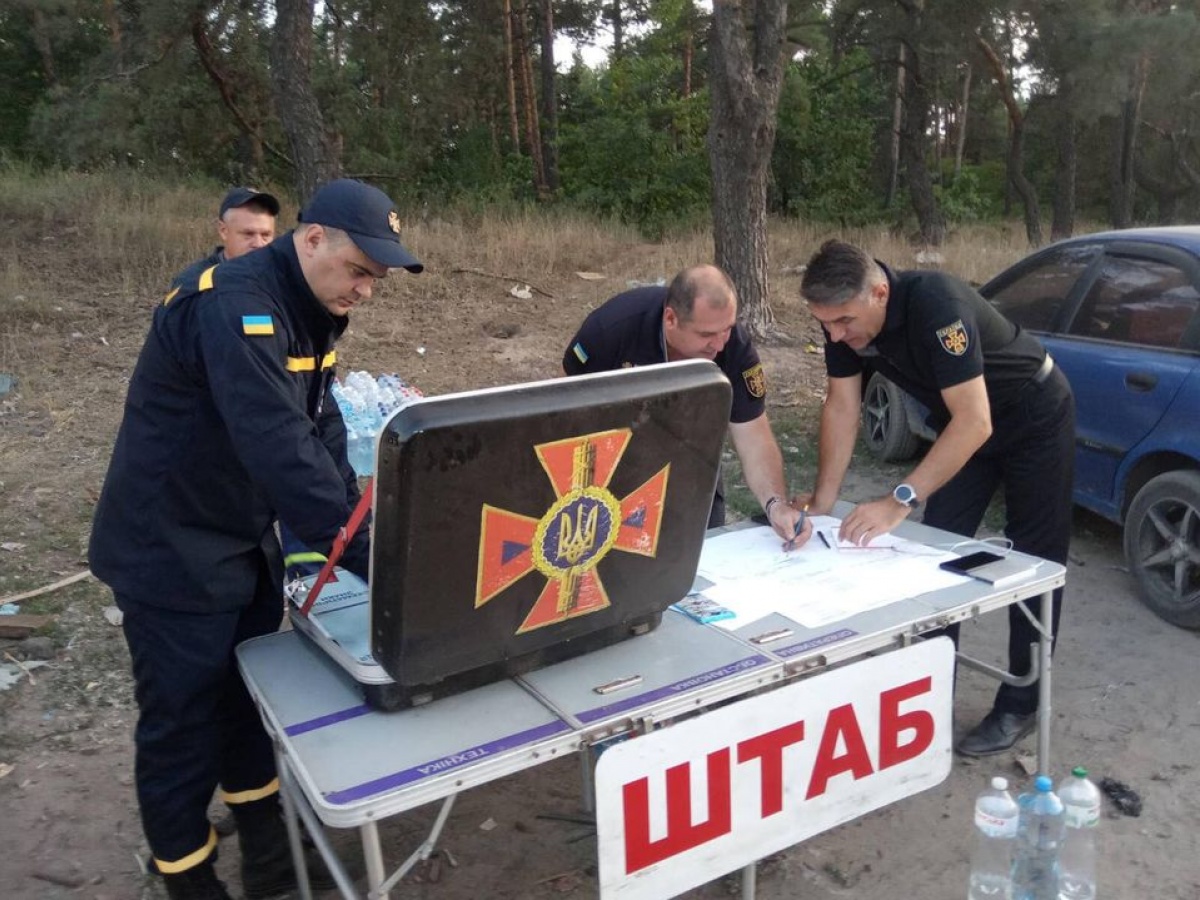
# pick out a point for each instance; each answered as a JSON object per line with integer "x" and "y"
{"x": 906, "y": 496}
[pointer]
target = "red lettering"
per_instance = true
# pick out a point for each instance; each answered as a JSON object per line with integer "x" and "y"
{"x": 892, "y": 722}
{"x": 682, "y": 834}
{"x": 769, "y": 748}
{"x": 843, "y": 724}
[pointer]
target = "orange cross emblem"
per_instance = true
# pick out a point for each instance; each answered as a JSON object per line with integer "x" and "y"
{"x": 567, "y": 543}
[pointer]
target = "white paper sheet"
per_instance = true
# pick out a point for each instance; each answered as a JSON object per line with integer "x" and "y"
{"x": 753, "y": 576}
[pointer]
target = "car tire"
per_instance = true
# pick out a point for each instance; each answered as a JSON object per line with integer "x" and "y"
{"x": 885, "y": 428}
{"x": 1162, "y": 546}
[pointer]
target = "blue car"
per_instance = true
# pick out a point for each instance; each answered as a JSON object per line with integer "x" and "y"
{"x": 1120, "y": 313}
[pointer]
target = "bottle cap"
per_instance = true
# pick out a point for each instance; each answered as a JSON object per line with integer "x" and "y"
{"x": 1044, "y": 784}
{"x": 999, "y": 783}
{"x": 1079, "y": 772}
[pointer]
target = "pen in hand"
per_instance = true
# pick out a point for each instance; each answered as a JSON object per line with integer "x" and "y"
{"x": 799, "y": 528}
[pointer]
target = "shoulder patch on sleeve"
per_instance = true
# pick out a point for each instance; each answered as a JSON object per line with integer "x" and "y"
{"x": 580, "y": 353}
{"x": 257, "y": 325}
{"x": 756, "y": 381}
{"x": 954, "y": 338}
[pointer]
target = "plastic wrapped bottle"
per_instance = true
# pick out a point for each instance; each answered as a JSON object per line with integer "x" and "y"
{"x": 1040, "y": 832}
{"x": 996, "y": 815}
{"x": 1077, "y": 862}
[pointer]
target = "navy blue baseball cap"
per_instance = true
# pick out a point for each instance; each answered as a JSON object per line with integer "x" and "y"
{"x": 240, "y": 196}
{"x": 365, "y": 213}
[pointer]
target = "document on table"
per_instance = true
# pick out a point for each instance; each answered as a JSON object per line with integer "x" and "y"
{"x": 817, "y": 584}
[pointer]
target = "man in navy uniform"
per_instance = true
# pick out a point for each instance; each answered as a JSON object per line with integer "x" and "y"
{"x": 695, "y": 317}
{"x": 1003, "y": 412}
{"x": 229, "y": 424}
{"x": 245, "y": 222}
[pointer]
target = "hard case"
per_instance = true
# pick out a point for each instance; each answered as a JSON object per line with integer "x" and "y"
{"x": 523, "y": 525}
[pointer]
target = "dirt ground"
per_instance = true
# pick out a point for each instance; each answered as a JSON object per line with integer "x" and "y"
{"x": 1125, "y": 698}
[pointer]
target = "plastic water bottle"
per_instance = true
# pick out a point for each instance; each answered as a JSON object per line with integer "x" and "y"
{"x": 996, "y": 815}
{"x": 1077, "y": 863}
{"x": 1040, "y": 832}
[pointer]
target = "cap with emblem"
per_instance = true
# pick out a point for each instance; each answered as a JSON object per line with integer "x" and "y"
{"x": 367, "y": 215}
{"x": 240, "y": 196}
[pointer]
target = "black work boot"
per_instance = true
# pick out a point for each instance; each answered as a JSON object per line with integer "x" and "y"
{"x": 267, "y": 867}
{"x": 197, "y": 883}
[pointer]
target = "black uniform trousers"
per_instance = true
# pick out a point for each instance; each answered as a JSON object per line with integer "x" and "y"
{"x": 1032, "y": 453}
{"x": 198, "y": 726}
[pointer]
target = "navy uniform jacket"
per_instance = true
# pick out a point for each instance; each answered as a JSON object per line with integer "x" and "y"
{"x": 228, "y": 424}
{"x": 939, "y": 332}
{"x": 627, "y": 331}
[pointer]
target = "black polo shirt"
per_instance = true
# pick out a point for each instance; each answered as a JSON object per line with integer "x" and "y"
{"x": 939, "y": 332}
{"x": 627, "y": 331}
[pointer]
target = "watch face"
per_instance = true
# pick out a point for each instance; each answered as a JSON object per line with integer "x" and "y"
{"x": 905, "y": 494}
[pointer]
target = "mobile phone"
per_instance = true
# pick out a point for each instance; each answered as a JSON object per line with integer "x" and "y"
{"x": 964, "y": 564}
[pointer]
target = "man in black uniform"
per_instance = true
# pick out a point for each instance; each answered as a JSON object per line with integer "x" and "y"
{"x": 1002, "y": 410}
{"x": 696, "y": 318}
{"x": 229, "y": 424}
{"x": 245, "y": 222}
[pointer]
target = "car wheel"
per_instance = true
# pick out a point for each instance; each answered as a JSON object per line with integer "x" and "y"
{"x": 1162, "y": 546}
{"x": 885, "y": 423}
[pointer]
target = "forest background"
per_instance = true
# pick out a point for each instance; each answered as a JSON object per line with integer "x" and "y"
{"x": 923, "y": 114}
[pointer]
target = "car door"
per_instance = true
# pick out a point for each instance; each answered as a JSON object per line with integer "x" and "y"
{"x": 1112, "y": 314}
{"x": 1122, "y": 348}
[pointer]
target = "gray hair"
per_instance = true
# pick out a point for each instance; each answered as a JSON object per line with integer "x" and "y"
{"x": 837, "y": 273}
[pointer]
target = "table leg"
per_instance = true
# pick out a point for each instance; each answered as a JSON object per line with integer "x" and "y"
{"x": 1045, "y": 643}
{"x": 749, "y": 881}
{"x": 291, "y": 819}
{"x": 373, "y": 857}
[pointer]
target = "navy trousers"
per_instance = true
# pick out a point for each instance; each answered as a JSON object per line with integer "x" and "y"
{"x": 1032, "y": 453}
{"x": 197, "y": 726}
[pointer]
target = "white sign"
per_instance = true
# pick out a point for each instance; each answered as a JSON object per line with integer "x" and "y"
{"x": 679, "y": 807}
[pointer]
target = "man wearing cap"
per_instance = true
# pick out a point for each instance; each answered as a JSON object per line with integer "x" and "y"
{"x": 229, "y": 424}
{"x": 245, "y": 222}
{"x": 695, "y": 317}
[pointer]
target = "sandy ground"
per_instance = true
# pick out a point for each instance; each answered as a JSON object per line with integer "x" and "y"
{"x": 1126, "y": 702}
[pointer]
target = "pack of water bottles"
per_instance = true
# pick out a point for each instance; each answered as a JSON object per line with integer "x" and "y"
{"x": 1040, "y": 846}
{"x": 366, "y": 403}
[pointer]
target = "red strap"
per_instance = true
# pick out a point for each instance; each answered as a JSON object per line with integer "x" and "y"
{"x": 343, "y": 538}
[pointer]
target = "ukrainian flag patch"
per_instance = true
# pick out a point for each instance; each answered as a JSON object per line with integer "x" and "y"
{"x": 257, "y": 325}
{"x": 580, "y": 353}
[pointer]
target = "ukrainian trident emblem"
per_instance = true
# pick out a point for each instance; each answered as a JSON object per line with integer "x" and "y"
{"x": 567, "y": 543}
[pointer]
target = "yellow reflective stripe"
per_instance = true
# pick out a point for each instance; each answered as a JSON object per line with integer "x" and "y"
{"x": 206, "y": 278}
{"x": 309, "y": 363}
{"x": 170, "y": 296}
{"x": 191, "y": 860}
{"x": 267, "y": 790}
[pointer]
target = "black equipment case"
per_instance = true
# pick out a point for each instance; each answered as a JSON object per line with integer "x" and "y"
{"x": 523, "y": 525}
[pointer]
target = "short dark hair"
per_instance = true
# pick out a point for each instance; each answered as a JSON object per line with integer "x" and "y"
{"x": 837, "y": 273}
{"x": 694, "y": 281}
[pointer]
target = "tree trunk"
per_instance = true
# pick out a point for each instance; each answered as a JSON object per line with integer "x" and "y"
{"x": 747, "y": 60}
{"x": 960, "y": 135}
{"x": 549, "y": 128}
{"x": 1062, "y": 225}
{"x": 913, "y": 137}
{"x": 528, "y": 98}
{"x": 299, "y": 113}
{"x": 514, "y": 128}
{"x": 1123, "y": 184}
{"x": 616, "y": 19}
{"x": 894, "y": 144}
{"x": 41, "y": 40}
{"x": 1016, "y": 147}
